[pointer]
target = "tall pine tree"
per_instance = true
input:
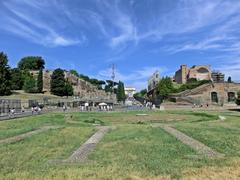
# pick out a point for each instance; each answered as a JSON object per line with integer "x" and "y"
{"x": 5, "y": 76}
{"x": 58, "y": 82}
{"x": 120, "y": 92}
{"x": 40, "y": 81}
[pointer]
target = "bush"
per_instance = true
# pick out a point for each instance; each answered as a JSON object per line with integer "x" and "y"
{"x": 17, "y": 79}
{"x": 30, "y": 85}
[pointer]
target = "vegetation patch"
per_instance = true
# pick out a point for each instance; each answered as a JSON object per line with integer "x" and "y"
{"x": 94, "y": 121}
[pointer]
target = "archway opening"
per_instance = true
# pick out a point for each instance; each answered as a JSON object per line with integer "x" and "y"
{"x": 214, "y": 97}
{"x": 231, "y": 97}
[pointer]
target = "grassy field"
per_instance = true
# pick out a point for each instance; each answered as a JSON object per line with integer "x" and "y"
{"x": 21, "y": 95}
{"x": 134, "y": 150}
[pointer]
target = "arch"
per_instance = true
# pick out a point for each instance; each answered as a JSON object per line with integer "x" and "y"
{"x": 203, "y": 70}
{"x": 214, "y": 97}
{"x": 231, "y": 97}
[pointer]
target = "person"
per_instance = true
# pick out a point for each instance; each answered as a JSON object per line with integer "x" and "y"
{"x": 32, "y": 110}
{"x": 23, "y": 109}
{"x": 64, "y": 108}
{"x": 86, "y": 106}
{"x": 82, "y": 108}
{"x": 9, "y": 111}
{"x": 39, "y": 110}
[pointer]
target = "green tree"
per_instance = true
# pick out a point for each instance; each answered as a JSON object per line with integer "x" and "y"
{"x": 141, "y": 94}
{"x": 165, "y": 87}
{"x": 5, "y": 76}
{"x": 86, "y": 78}
{"x": 40, "y": 81}
{"x": 68, "y": 89}
{"x": 110, "y": 86}
{"x": 121, "y": 92}
{"x": 17, "y": 79}
{"x": 74, "y": 72}
{"x": 30, "y": 84}
{"x": 238, "y": 98}
{"x": 100, "y": 84}
{"x": 31, "y": 63}
{"x": 57, "y": 83}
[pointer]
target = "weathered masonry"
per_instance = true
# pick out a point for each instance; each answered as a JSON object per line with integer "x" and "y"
{"x": 211, "y": 93}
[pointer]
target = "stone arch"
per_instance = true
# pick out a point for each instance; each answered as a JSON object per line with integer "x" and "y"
{"x": 203, "y": 70}
{"x": 214, "y": 97}
{"x": 231, "y": 96}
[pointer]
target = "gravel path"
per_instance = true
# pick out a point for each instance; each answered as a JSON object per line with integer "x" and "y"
{"x": 81, "y": 154}
{"x": 26, "y": 135}
{"x": 194, "y": 144}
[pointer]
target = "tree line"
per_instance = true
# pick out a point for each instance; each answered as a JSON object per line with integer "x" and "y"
{"x": 20, "y": 78}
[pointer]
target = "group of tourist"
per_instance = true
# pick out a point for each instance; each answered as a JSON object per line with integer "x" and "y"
{"x": 11, "y": 112}
{"x": 36, "y": 109}
{"x": 87, "y": 107}
{"x": 200, "y": 106}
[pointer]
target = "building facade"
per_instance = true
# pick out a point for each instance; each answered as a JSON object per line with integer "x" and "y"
{"x": 218, "y": 77}
{"x": 130, "y": 91}
{"x": 210, "y": 93}
{"x": 199, "y": 72}
{"x": 153, "y": 80}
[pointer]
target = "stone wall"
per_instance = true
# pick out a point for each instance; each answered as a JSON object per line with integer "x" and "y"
{"x": 81, "y": 88}
{"x": 225, "y": 93}
{"x": 196, "y": 72}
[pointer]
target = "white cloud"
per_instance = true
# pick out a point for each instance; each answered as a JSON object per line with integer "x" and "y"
{"x": 26, "y": 24}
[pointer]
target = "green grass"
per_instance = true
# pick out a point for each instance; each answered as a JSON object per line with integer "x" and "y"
{"x": 33, "y": 154}
{"x": 133, "y": 149}
{"x": 21, "y": 95}
{"x": 223, "y": 136}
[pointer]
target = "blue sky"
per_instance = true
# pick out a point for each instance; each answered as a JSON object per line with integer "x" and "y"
{"x": 138, "y": 36}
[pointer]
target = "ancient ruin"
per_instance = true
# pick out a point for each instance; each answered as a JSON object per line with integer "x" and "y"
{"x": 199, "y": 72}
{"x": 81, "y": 88}
{"x": 210, "y": 93}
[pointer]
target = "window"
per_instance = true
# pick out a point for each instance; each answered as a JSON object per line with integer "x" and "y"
{"x": 231, "y": 97}
{"x": 214, "y": 97}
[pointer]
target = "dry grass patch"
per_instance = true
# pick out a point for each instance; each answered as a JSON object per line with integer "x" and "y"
{"x": 231, "y": 172}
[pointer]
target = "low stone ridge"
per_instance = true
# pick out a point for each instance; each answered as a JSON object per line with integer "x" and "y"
{"x": 28, "y": 134}
{"x": 194, "y": 144}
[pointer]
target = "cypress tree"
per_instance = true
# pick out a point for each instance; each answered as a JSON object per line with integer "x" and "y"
{"x": 40, "y": 81}
{"x": 5, "y": 76}
{"x": 120, "y": 92}
{"x": 57, "y": 83}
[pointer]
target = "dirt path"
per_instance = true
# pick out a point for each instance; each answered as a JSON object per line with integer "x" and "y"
{"x": 26, "y": 135}
{"x": 81, "y": 154}
{"x": 194, "y": 144}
